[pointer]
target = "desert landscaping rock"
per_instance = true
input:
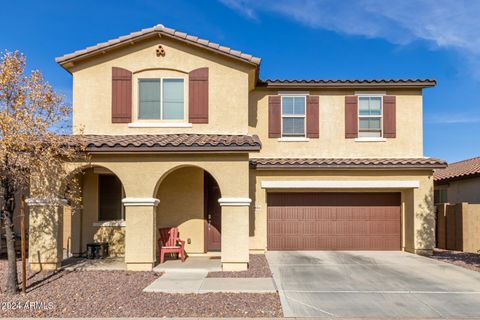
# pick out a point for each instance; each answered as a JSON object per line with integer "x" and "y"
{"x": 467, "y": 260}
{"x": 258, "y": 268}
{"x": 119, "y": 294}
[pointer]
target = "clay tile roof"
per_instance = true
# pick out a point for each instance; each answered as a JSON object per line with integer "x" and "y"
{"x": 347, "y": 163}
{"x": 171, "y": 143}
{"x": 458, "y": 170}
{"x": 403, "y": 83}
{"x": 148, "y": 32}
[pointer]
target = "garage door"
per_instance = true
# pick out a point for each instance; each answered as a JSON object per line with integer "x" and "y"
{"x": 334, "y": 221}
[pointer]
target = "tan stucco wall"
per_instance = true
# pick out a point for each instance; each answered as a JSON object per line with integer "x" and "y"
{"x": 228, "y": 87}
{"x": 141, "y": 174}
{"x": 45, "y": 237}
{"x": 465, "y": 190}
{"x": 181, "y": 197}
{"x": 418, "y": 221}
{"x": 332, "y": 142}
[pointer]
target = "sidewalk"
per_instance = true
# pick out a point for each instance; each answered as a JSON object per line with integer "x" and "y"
{"x": 197, "y": 282}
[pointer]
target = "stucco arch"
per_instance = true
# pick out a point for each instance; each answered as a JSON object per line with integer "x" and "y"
{"x": 174, "y": 168}
{"x": 75, "y": 168}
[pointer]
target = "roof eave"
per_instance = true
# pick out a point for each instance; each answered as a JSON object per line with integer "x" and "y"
{"x": 345, "y": 167}
{"x": 67, "y": 62}
{"x": 456, "y": 178}
{"x": 353, "y": 85}
{"x": 236, "y": 149}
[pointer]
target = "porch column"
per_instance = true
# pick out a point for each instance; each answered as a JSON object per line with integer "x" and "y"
{"x": 235, "y": 233}
{"x": 140, "y": 233}
{"x": 45, "y": 233}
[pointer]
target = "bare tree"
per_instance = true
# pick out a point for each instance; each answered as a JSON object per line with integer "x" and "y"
{"x": 34, "y": 122}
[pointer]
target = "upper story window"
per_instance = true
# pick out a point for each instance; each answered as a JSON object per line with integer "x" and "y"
{"x": 293, "y": 116}
{"x": 370, "y": 116}
{"x": 161, "y": 99}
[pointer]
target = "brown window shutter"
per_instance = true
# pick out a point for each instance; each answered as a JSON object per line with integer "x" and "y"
{"x": 351, "y": 117}
{"x": 389, "y": 117}
{"x": 274, "y": 117}
{"x": 312, "y": 117}
{"x": 121, "y": 95}
{"x": 198, "y": 96}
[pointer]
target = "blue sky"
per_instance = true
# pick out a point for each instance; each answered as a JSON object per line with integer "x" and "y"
{"x": 297, "y": 39}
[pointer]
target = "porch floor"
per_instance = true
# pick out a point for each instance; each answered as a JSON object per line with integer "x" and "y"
{"x": 203, "y": 264}
{"x": 84, "y": 264}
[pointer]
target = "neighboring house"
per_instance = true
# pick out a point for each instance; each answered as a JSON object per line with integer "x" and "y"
{"x": 459, "y": 182}
{"x": 182, "y": 132}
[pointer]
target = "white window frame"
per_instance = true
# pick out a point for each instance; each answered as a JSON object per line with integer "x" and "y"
{"x": 294, "y": 116}
{"x": 359, "y": 116}
{"x": 161, "y": 100}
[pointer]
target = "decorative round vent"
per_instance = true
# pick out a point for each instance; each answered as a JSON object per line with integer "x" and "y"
{"x": 160, "y": 51}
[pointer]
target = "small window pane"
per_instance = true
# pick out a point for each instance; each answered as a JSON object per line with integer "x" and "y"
{"x": 173, "y": 106}
{"x": 287, "y": 105}
{"x": 375, "y": 106}
{"x": 299, "y": 105}
{"x": 374, "y": 124}
{"x": 364, "y": 123}
{"x": 370, "y": 124}
{"x": 149, "y": 97}
{"x": 369, "y": 106}
{"x": 363, "y": 106}
{"x": 293, "y": 126}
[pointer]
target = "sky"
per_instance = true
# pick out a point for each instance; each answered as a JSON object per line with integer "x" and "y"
{"x": 296, "y": 39}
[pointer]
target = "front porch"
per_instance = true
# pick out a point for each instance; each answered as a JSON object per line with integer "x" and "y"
{"x": 210, "y": 210}
{"x": 200, "y": 263}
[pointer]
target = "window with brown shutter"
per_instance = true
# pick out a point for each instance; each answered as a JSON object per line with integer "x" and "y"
{"x": 198, "y": 96}
{"x": 121, "y": 95}
{"x": 389, "y": 117}
{"x": 370, "y": 114}
{"x": 351, "y": 117}
{"x": 312, "y": 117}
{"x": 274, "y": 117}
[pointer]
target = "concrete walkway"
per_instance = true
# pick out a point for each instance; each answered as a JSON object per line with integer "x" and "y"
{"x": 348, "y": 284}
{"x": 197, "y": 282}
{"x": 84, "y": 264}
{"x": 191, "y": 264}
{"x": 191, "y": 277}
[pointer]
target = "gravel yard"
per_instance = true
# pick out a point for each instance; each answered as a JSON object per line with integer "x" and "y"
{"x": 258, "y": 268}
{"x": 463, "y": 259}
{"x": 119, "y": 294}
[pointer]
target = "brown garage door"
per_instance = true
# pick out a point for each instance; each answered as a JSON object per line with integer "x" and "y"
{"x": 334, "y": 221}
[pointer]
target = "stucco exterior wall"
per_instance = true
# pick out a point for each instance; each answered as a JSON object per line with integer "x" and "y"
{"x": 332, "y": 142}
{"x": 465, "y": 190}
{"x": 228, "y": 87}
{"x": 181, "y": 197}
{"x": 417, "y": 204}
{"x": 142, "y": 174}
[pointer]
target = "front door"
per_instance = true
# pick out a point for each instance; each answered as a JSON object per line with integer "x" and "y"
{"x": 213, "y": 215}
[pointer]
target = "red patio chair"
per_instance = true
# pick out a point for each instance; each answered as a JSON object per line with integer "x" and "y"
{"x": 169, "y": 242}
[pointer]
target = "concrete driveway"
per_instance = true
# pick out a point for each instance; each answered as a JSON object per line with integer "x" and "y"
{"x": 372, "y": 284}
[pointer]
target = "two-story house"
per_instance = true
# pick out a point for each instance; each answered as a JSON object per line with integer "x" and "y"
{"x": 182, "y": 132}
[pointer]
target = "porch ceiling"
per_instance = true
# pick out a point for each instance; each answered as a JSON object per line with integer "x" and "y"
{"x": 171, "y": 143}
